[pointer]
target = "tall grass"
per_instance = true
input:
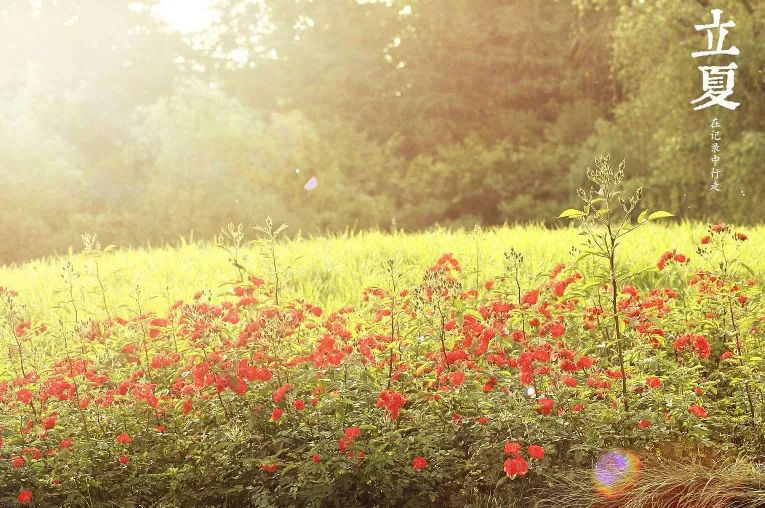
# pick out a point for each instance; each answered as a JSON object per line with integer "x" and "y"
{"x": 332, "y": 270}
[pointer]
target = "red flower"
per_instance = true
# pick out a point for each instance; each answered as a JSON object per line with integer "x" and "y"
{"x": 268, "y": 468}
{"x": 25, "y": 496}
{"x": 419, "y": 463}
{"x": 24, "y": 396}
{"x": 741, "y": 236}
{"x": 124, "y": 438}
{"x": 531, "y": 297}
{"x": 585, "y": 362}
{"x": 698, "y": 410}
{"x": 643, "y": 424}
{"x": 512, "y": 448}
{"x": 276, "y": 413}
{"x": 65, "y": 443}
{"x": 483, "y": 420}
{"x": 316, "y": 458}
{"x": 489, "y": 385}
{"x": 569, "y": 381}
{"x": 457, "y": 378}
{"x": 19, "y": 462}
{"x": 124, "y": 459}
{"x": 726, "y": 355}
{"x": 613, "y": 374}
{"x": 536, "y": 452}
{"x": 545, "y": 406}
{"x": 653, "y": 382}
{"x": 557, "y": 330}
{"x": 352, "y": 432}
{"x": 50, "y": 422}
{"x": 299, "y": 405}
{"x": 701, "y": 346}
{"x": 278, "y": 394}
{"x": 706, "y": 240}
{"x": 516, "y": 466}
{"x": 34, "y": 452}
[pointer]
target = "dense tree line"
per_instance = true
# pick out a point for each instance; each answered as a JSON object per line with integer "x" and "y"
{"x": 427, "y": 111}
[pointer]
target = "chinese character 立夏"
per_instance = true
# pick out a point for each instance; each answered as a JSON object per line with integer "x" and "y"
{"x": 717, "y": 83}
{"x": 733, "y": 50}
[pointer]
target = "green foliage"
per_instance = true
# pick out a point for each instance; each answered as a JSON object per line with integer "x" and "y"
{"x": 431, "y": 112}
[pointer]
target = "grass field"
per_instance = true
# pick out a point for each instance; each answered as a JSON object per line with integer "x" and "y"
{"x": 330, "y": 271}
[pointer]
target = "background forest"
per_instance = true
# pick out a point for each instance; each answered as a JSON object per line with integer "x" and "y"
{"x": 448, "y": 112}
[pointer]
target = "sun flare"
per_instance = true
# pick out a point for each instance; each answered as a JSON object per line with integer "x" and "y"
{"x": 186, "y": 15}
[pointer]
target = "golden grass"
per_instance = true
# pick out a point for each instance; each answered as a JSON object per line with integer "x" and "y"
{"x": 671, "y": 484}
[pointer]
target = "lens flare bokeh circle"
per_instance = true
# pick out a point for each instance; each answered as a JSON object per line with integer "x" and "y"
{"x": 616, "y": 472}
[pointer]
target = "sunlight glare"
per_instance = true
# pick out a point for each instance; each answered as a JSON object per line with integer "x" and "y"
{"x": 187, "y": 15}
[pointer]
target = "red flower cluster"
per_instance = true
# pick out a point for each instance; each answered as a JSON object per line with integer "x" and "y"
{"x": 392, "y": 402}
{"x": 652, "y": 382}
{"x": 515, "y": 464}
{"x": 439, "y": 348}
{"x": 698, "y": 343}
{"x": 349, "y": 437}
{"x": 671, "y": 256}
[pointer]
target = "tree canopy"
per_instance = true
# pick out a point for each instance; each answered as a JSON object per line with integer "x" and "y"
{"x": 427, "y": 111}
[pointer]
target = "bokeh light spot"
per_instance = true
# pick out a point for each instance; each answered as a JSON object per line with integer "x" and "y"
{"x": 616, "y": 472}
{"x": 311, "y": 183}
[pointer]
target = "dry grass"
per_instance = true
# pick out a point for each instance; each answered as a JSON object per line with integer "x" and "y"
{"x": 671, "y": 484}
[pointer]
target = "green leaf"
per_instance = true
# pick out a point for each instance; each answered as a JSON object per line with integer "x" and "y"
{"x": 661, "y": 214}
{"x": 571, "y": 213}
{"x": 474, "y": 313}
{"x": 642, "y": 217}
{"x": 748, "y": 268}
